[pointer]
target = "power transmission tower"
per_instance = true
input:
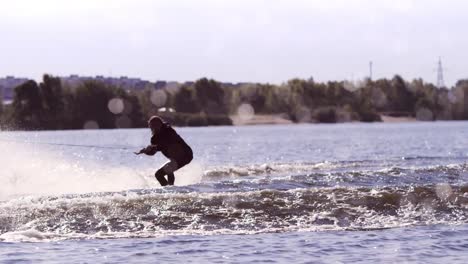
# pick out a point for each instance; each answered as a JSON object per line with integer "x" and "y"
{"x": 440, "y": 74}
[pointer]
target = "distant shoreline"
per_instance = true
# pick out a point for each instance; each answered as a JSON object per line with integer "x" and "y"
{"x": 261, "y": 120}
{"x": 53, "y": 104}
{"x": 280, "y": 119}
{"x": 392, "y": 119}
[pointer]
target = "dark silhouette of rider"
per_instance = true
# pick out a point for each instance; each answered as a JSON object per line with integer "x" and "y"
{"x": 166, "y": 140}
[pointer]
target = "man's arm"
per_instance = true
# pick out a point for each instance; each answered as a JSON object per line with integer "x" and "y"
{"x": 149, "y": 150}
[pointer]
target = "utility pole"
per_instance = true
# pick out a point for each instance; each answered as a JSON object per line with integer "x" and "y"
{"x": 370, "y": 70}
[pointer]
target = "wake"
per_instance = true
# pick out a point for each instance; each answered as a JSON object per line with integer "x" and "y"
{"x": 34, "y": 170}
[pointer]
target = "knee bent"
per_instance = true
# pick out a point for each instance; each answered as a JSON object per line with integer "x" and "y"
{"x": 160, "y": 174}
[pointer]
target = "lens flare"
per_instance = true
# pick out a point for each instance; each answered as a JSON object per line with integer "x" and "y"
{"x": 245, "y": 112}
{"x": 158, "y": 98}
{"x": 116, "y": 105}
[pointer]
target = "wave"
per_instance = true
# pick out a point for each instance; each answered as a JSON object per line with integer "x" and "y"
{"x": 262, "y": 169}
{"x": 149, "y": 213}
{"x": 327, "y": 174}
{"x": 391, "y": 166}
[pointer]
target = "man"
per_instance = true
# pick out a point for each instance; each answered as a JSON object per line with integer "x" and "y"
{"x": 165, "y": 139}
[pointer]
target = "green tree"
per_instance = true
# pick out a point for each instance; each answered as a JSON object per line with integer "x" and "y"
{"x": 53, "y": 104}
{"x": 90, "y": 103}
{"x": 1, "y": 101}
{"x": 27, "y": 106}
{"x": 132, "y": 109}
{"x": 185, "y": 100}
{"x": 400, "y": 97}
{"x": 460, "y": 100}
{"x": 210, "y": 96}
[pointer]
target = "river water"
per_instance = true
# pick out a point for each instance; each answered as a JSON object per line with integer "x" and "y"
{"x": 294, "y": 193}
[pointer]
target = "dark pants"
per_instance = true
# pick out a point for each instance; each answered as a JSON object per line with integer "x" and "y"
{"x": 168, "y": 169}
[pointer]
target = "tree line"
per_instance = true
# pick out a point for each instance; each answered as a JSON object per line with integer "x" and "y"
{"x": 53, "y": 105}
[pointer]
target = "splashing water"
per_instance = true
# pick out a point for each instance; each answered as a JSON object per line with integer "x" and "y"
{"x": 28, "y": 169}
{"x": 238, "y": 183}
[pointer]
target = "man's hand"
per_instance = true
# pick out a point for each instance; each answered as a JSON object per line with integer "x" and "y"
{"x": 142, "y": 151}
{"x": 149, "y": 150}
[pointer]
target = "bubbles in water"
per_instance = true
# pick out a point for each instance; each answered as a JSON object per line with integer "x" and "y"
{"x": 158, "y": 97}
{"x": 91, "y": 124}
{"x": 116, "y": 105}
{"x": 245, "y": 111}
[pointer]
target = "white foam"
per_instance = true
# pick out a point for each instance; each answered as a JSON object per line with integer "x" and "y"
{"x": 30, "y": 235}
{"x": 29, "y": 169}
{"x": 269, "y": 169}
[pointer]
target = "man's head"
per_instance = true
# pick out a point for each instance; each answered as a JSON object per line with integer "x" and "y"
{"x": 155, "y": 123}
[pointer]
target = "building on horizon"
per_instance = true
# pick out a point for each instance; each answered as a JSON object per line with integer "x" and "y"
{"x": 7, "y": 87}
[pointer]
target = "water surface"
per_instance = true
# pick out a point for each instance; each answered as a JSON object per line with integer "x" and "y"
{"x": 321, "y": 193}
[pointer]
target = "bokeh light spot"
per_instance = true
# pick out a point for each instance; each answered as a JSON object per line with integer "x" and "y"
{"x": 116, "y": 105}
{"x": 245, "y": 111}
{"x": 158, "y": 98}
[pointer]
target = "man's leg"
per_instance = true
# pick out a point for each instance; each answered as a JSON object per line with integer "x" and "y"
{"x": 170, "y": 178}
{"x": 160, "y": 177}
{"x": 167, "y": 169}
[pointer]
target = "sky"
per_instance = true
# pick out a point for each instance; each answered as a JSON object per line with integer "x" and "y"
{"x": 234, "y": 40}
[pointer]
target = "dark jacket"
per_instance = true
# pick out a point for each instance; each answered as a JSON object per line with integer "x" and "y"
{"x": 172, "y": 145}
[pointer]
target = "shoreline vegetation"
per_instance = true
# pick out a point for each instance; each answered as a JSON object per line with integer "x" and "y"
{"x": 55, "y": 105}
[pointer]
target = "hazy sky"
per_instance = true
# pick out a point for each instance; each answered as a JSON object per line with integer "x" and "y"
{"x": 234, "y": 40}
